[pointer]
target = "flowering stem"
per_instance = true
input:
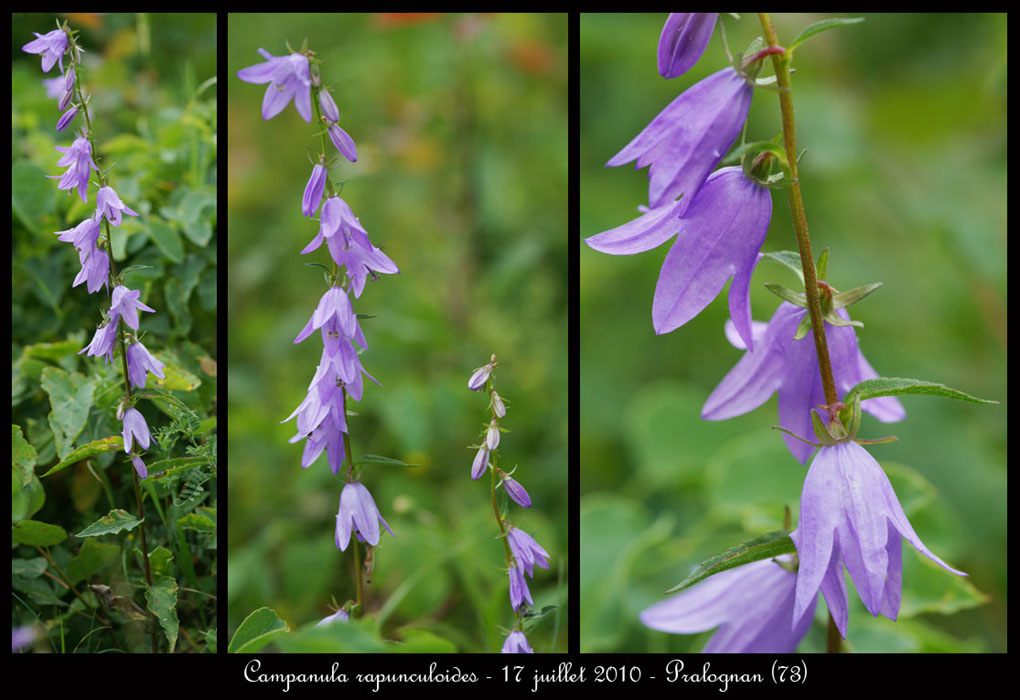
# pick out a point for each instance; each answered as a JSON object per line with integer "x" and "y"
{"x": 781, "y": 63}
{"x": 121, "y": 332}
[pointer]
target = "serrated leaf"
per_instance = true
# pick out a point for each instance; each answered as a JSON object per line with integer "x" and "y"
{"x": 38, "y": 534}
{"x": 94, "y": 555}
{"x": 110, "y": 524}
{"x": 390, "y": 461}
{"x": 819, "y": 27}
{"x": 51, "y": 351}
{"x": 108, "y": 444}
{"x": 789, "y": 259}
{"x": 161, "y": 561}
{"x": 257, "y": 630}
{"x": 766, "y": 546}
{"x": 198, "y": 522}
{"x": 23, "y": 456}
{"x": 896, "y": 386}
{"x": 166, "y": 239}
{"x": 161, "y": 600}
{"x": 175, "y": 377}
{"x": 70, "y": 398}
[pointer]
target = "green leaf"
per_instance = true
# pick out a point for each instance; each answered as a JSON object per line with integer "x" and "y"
{"x": 108, "y": 444}
{"x": 38, "y": 534}
{"x": 895, "y": 386}
{"x": 161, "y": 561}
{"x": 111, "y": 523}
{"x": 376, "y": 459}
{"x": 766, "y": 546}
{"x": 210, "y": 640}
{"x": 198, "y": 522}
{"x": 161, "y": 600}
{"x": 175, "y": 377}
{"x": 819, "y": 27}
{"x": 70, "y": 398}
{"x": 32, "y": 195}
{"x": 166, "y": 239}
{"x": 422, "y": 641}
{"x": 789, "y": 259}
{"x": 29, "y": 568}
{"x": 257, "y": 630}
{"x": 23, "y": 457}
{"x": 94, "y": 555}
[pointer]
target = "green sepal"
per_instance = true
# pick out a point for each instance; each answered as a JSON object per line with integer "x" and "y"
{"x": 895, "y": 386}
{"x": 766, "y": 546}
{"x": 832, "y": 319}
{"x": 803, "y": 328}
{"x": 754, "y": 148}
{"x": 852, "y": 296}
{"x": 787, "y": 294}
{"x": 822, "y": 267}
{"x": 789, "y": 259}
{"x": 822, "y": 432}
{"x": 819, "y": 27}
{"x": 795, "y": 435}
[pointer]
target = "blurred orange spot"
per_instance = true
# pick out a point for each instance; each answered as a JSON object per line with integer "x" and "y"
{"x": 92, "y": 20}
{"x": 534, "y": 57}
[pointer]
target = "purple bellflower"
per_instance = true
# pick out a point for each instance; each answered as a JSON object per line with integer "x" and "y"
{"x": 108, "y": 204}
{"x": 102, "y": 340}
{"x": 750, "y": 605}
{"x": 77, "y": 159}
{"x": 334, "y": 304}
{"x": 51, "y": 45}
{"x": 518, "y": 587}
{"x": 288, "y": 78}
{"x": 492, "y": 435}
{"x": 515, "y": 490}
{"x": 95, "y": 269}
{"x": 720, "y": 236}
{"x": 849, "y": 514}
{"x": 358, "y": 513}
{"x": 684, "y": 38}
{"x": 126, "y": 305}
{"x": 480, "y": 463}
{"x": 313, "y": 190}
{"x": 516, "y": 643}
{"x": 83, "y": 236}
{"x": 329, "y": 108}
{"x": 140, "y": 362}
{"x": 498, "y": 407}
{"x": 780, "y": 363}
{"x": 143, "y": 471}
{"x": 343, "y": 142}
{"x": 339, "y": 616}
{"x": 135, "y": 425}
{"x": 689, "y": 137}
{"x": 66, "y": 118}
{"x": 527, "y": 552}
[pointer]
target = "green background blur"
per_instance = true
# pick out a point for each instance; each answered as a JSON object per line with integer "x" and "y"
{"x": 461, "y": 128}
{"x": 903, "y": 119}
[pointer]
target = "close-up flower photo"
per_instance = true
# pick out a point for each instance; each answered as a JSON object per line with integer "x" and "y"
{"x": 113, "y": 333}
{"x": 833, "y": 423}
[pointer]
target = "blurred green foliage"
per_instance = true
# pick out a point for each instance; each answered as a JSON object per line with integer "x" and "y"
{"x": 903, "y": 118}
{"x": 461, "y": 128}
{"x": 151, "y": 78}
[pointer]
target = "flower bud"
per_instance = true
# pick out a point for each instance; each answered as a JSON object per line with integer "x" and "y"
{"x": 497, "y": 405}
{"x": 683, "y": 40}
{"x": 67, "y": 118}
{"x": 492, "y": 437}
{"x": 329, "y": 108}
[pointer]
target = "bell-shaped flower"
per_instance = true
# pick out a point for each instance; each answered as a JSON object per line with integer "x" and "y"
{"x": 140, "y": 467}
{"x": 516, "y": 643}
{"x": 518, "y": 587}
{"x": 527, "y": 552}
{"x": 780, "y": 363}
{"x": 689, "y": 137}
{"x": 514, "y": 490}
{"x": 66, "y": 118}
{"x": 77, "y": 159}
{"x": 108, "y": 204}
{"x": 750, "y": 606}
{"x": 339, "y": 616}
{"x": 720, "y": 235}
{"x": 358, "y": 512}
{"x": 140, "y": 362}
{"x": 334, "y": 303}
{"x": 95, "y": 270}
{"x": 51, "y": 45}
{"x": 83, "y": 236}
{"x": 684, "y": 38}
{"x": 849, "y": 514}
{"x": 288, "y": 78}
{"x": 480, "y": 462}
{"x": 313, "y": 190}
{"x": 126, "y": 304}
{"x": 102, "y": 340}
{"x": 343, "y": 142}
{"x": 136, "y": 427}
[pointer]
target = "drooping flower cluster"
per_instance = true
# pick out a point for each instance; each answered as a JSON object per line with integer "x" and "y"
{"x": 523, "y": 552}
{"x": 97, "y": 270}
{"x": 322, "y": 415}
{"x": 850, "y": 515}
